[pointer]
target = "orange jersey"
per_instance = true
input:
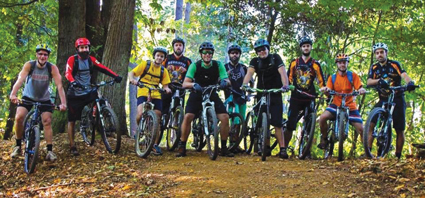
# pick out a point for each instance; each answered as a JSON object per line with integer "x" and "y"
{"x": 343, "y": 85}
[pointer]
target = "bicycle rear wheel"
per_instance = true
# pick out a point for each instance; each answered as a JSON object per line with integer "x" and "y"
{"x": 342, "y": 123}
{"x": 235, "y": 132}
{"x": 212, "y": 137}
{"x": 31, "y": 149}
{"x": 174, "y": 129}
{"x": 381, "y": 131}
{"x": 198, "y": 134}
{"x": 146, "y": 134}
{"x": 264, "y": 136}
{"x": 87, "y": 126}
{"x": 307, "y": 135}
{"x": 249, "y": 133}
{"x": 328, "y": 151}
{"x": 109, "y": 129}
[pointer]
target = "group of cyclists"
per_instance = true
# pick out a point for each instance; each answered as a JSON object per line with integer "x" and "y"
{"x": 269, "y": 68}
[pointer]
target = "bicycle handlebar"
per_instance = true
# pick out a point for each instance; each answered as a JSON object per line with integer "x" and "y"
{"x": 393, "y": 88}
{"x": 29, "y": 102}
{"x": 142, "y": 85}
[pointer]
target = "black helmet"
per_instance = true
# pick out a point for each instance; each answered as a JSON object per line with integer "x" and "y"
{"x": 261, "y": 43}
{"x": 234, "y": 47}
{"x": 43, "y": 47}
{"x": 206, "y": 45}
{"x": 160, "y": 49}
{"x": 178, "y": 40}
{"x": 304, "y": 40}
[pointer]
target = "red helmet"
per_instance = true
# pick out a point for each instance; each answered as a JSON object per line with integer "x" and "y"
{"x": 82, "y": 41}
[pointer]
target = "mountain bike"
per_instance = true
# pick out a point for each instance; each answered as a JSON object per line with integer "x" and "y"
{"x": 382, "y": 117}
{"x": 236, "y": 120}
{"x": 32, "y": 133}
{"x": 172, "y": 120}
{"x": 100, "y": 115}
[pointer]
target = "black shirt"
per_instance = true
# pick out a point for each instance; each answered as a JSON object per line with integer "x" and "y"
{"x": 267, "y": 71}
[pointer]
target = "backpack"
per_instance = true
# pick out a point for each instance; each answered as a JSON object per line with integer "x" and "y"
{"x": 148, "y": 65}
{"x": 76, "y": 65}
{"x": 34, "y": 64}
{"x": 349, "y": 76}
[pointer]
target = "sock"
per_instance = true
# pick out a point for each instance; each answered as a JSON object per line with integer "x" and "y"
{"x": 18, "y": 142}
{"x": 398, "y": 155}
{"x": 49, "y": 147}
{"x": 182, "y": 144}
{"x": 282, "y": 148}
{"x": 223, "y": 143}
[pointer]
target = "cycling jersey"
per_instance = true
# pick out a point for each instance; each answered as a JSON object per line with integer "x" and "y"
{"x": 37, "y": 86}
{"x": 391, "y": 72}
{"x": 151, "y": 78}
{"x": 173, "y": 63}
{"x": 236, "y": 75}
{"x": 267, "y": 71}
{"x": 343, "y": 85}
{"x": 206, "y": 75}
{"x": 302, "y": 75}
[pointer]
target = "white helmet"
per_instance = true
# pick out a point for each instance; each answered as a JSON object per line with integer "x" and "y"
{"x": 380, "y": 46}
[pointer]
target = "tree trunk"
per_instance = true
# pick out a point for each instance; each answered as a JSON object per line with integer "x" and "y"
{"x": 187, "y": 13}
{"x": 179, "y": 10}
{"x": 117, "y": 54}
{"x": 133, "y": 94}
{"x": 72, "y": 16}
{"x": 11, "y": 118}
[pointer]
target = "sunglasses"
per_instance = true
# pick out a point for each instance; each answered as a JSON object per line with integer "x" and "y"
{"x": 260, "y": 49}
{"x": 42, "y": 54}
{"x": 207, "y": 52}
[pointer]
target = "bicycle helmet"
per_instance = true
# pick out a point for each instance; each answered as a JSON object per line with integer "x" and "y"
{"x": 160, "y": 49}
{"x": 342, "y": 57}
{"x": 43, "y": 47}
{"x": 206, "y": 45}
{"x": 380, "y": 46}
{"x": 261, "y": 43}
{"x": 178, "y": 40}
{"x": 304, "y": 40}
{"x": 82, "y": 41}
{"x": 234, "y": 47}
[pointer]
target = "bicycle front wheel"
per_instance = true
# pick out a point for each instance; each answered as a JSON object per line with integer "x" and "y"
{"x": 174, "y": 129}
{"x": 87, "y": 126}
{"x": 307, "y": 135}
{"x": 109, "y": 129}
{"x": 264, "y": 136}
{"x": 328, "y": 151}
{"x": 377, "y": 126}
{"x": 235, "y": 133}
{"x": 342, "y": 123}
{"x": 146, "y": 134}
{"x": 212, "y": 137}
{"x": 31, "y": 149}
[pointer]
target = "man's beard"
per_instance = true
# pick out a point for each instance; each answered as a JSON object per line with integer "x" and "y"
{"x": 343, "y": 71}
{"x": 83, "y": 55}
{"x": 306, "y": 54}
{"x": 383, "y": 60}
{"x": 41, "y": 64}
{"x": 178, "y": 53}
{"x": 234, "y": 60}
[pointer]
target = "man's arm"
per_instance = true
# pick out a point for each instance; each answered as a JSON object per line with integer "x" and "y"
{"x": 188, "y": 83}
{"x": 102, "y": 68}
{"x": 58, "y": 81}
{"x": 21, "y": 78}
{"x": 248, "y": 75}
{"x": 406, "y": 77}
{"x": 283, "y": 75}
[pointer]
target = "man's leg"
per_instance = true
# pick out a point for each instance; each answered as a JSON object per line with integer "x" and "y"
{"x": 224, "y": 133}
{"x": 400, "y": 143}
{"x": 48, "y": 134}
{"x": 324, "y": 128}
{"x": 21, "y": 112}
{"x": 186, "y": 125}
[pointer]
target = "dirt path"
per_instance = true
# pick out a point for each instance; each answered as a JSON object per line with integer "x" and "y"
{"x": 100, "y": 174}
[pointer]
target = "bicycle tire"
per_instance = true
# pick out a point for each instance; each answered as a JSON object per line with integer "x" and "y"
{"x": 110, "y": 129}
{"x": 249, "y": 133}
{"x": 27, "y": 122}
{"x": 265, "y": 135}
{"x": 146, "y": 134}
{"x": 307, "y": 136}
{"x": 31, "y": 149}
{"x": 328, "y": 151}
{"x": 88, "y": 133}
{"x": 342, "y": 122}
{"x": 235, "y": 132}
{"x": 212, "y": 137}
{"x": 198, "y": 134}
{"x": 378, "y": 129}
{"x": 174, "y": 132}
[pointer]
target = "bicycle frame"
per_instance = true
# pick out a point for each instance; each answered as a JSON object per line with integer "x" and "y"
{"x": 207, "y": 104}
{"x": 340, "y": 109}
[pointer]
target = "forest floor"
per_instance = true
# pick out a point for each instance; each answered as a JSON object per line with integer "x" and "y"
{"x": 96, "y": 173}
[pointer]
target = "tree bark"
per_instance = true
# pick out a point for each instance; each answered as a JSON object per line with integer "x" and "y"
{"x": 12, "y": 113}
{"x": 117, "y": 54}
{"x": 72, "y": 16}
{"x": 187, "y": 13}
{"x": 179, "y": 10}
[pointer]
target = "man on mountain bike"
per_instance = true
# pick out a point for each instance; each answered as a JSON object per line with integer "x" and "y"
{"x": 344, "y": 82}
{"x": 236, "y": 72}
{"x": 271, "y": 74}
{"x": 79, "y": 71}
{"x": 387, "y": 73}
{"x": 177, "y": 65}
{"x": 301, "y": 73}
{"x": 151, "y": 75}
{"x": 203, "y": 73}
{"x": 38, "y": 75}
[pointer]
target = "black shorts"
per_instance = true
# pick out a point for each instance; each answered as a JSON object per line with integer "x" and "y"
{"x": 157, "y": 103}
{"x": 77, "y": 103}
{"x": 295, "y": 108}
{"x": 167, "y": 98}
{"x": 399, "y": 114}
{"x": 275, "y": 109}
{"x": 42, "y": 108}
{"x": 194, "y": 103}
